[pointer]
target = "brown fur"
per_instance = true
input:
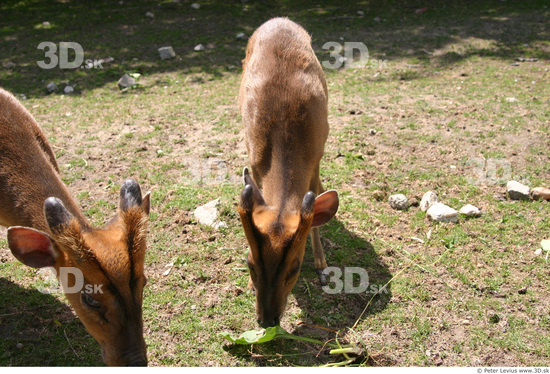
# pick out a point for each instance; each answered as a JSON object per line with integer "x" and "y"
{"x": 283, "y": 103}
{"x": 112, "y": 257}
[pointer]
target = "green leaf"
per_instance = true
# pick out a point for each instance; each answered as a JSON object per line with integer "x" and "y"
{"x": 265, "y": 335}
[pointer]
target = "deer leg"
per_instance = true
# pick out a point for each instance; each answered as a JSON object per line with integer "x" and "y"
{"x": 318, "y": 255}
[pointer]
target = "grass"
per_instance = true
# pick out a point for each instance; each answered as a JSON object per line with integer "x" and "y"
{"x": 437, "y": 98}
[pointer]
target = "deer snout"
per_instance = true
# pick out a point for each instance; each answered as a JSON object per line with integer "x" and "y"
{"x": 268, "y": 322}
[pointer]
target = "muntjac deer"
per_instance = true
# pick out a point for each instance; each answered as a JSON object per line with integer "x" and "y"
{"x": 283, "y": 103}
{"x": 49, "y": 230}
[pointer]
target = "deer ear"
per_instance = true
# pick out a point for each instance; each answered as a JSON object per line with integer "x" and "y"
{"x": 326, "y": 206}
{"x": 32, "y": 247}
{"x": 251, "y": 193}
{"x": 130, "y": 195}
{"x": 56, "y": 213}
{"x": 146, "y": 203}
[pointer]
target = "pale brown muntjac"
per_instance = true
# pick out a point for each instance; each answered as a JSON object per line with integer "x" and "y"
{"x": 104, "y": 267}
{"x": 283, "y": 103}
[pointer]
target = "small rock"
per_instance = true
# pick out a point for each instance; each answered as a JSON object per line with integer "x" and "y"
{"x": 52, "y": 87}
{"x": 195, "y": 6}
{"x": 360, "y": 13}
{"x": 465, "y": 322}
{"x": 538, "y": 252}
{"x": 19, "y": 345}
{"x": 514, "y": 64}
{"x": 208, "y": 215}
{"x": 442, "y": 213}
{"x": 428, "y": 199}
{"x": 522, "y": 291}
{"x": 166, "y": 53}
{"x": 517, "y": 191}
{"x": 372, "y": 132}
{"x": 377, "y": 19}
{"x": 241, "y": 36}
{"x": 193, "y": 307}
{"x": 538, "y": 193}
{"x": 199, "y": 47}
{"x": 398, "y": 202}
{"x": 46, "y": 24}
{"x": 126, "y": 81}
{"x": 9, "y": 65}
{"x": 150, "y": 15}
{"x": 68, "y": 90}
{"x": 511, "y": 99}
{"x": 470, "y": 211}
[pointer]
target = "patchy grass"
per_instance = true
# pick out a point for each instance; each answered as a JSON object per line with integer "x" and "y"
{"x": 438, "y": 97}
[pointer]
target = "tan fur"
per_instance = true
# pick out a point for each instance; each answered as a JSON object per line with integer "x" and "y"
{"x": 283, "y": 103}
{"x": 112, "y": 257}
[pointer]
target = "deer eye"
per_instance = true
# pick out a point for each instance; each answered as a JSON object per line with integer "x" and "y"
{"x": 89, "y": 301}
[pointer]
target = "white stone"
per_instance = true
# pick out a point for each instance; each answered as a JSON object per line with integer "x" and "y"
{"x": 52, "y": 87}
{"x": 68, "y": 90}
{"x": 511, "y": 99}
{"x": 429, "y": 199}
{"x": 360, "y": 13}
{"x": 241, "y": 36}
{"x": 398, "y": 202}
{"x": 208, "y": 215}
{"x": 517, "y": 191}
{"x": 126, "y": 81}
{"x": 195, "y": 6}
{"x": 470, "y": 210}
{"x": 538, "y": 252}
{"x": 166, "y": 53}
{"x": 150, "y": 15}
{"x": 199, "y": 47}
{"x": 442, "y": 213}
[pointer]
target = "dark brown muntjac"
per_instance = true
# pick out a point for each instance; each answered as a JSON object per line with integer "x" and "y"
{"x": 104, "y": 267}
{"x": 283, "y": 103}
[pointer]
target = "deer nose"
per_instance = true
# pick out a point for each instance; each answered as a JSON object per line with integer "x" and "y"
{"x": 138, "y": 362}
{"x": 268, "y": 322}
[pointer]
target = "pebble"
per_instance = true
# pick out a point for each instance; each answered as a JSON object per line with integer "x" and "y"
{"x": 166, "y": 53}
{"x": 195, "y": 6}
{"x": 9, "y": 65}
{"x": 538, "y": 252}
{"x": 372, "y": 132}
{"x": 517, "y": 191}
{"x": 511, "y": 99}
{"x": 126, "y": 81}
{"x": 428, "y": 199}
{"x": 398, "y": 202}
{"x": 68, "y": 90}
{"x": 52, "y": 87}
{"x": 241, "y": 36}
{"x": 442, "y": 213}
{"x": 538, "y": 193}
{"x": 470, "y": 210}
{"x": 150, "y": 15}
{"x": 208, "y": 214}
{"x": 360, "y": 13}
{"x": 199, "y": 47}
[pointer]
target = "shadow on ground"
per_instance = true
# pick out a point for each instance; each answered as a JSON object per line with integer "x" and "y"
{"x": 123, "y": 31}
{"x": 38, "y": 330}
{"x": 326, "y": 313}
